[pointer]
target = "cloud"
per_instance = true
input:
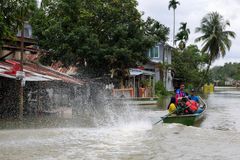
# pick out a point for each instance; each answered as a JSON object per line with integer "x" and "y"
{"x": 192, "y": 12}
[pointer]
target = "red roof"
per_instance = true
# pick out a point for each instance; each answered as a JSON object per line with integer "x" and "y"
{"x": 35, "y": 72}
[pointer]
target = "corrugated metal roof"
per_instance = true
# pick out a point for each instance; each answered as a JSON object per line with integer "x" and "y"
{"x": 36, "y": 72}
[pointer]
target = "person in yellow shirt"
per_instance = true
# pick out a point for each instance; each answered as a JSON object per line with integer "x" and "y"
{"x": 172, "y": 107}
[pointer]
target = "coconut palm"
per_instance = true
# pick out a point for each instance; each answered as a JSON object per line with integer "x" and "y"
{"x": 173, "y": 4}
{"x": 182, "y": 35}
{"x": 215, "y": 38}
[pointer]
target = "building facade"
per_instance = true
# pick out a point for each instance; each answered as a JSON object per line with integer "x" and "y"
{"x": 160, "y": 60}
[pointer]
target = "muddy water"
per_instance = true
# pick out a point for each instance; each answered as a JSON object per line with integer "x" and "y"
{"x": 217, "y": 137}
{"x": 224, "y": 110}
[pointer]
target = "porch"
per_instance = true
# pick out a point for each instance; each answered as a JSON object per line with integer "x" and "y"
{"x": 140, "y": 83}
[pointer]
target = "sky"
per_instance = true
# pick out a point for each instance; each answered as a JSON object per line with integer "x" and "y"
{"x": 192, "y": 11}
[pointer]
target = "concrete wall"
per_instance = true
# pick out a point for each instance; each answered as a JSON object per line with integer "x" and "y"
{"x": 8, "y": 98}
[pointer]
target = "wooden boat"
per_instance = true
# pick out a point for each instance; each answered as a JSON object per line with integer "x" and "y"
{"x": 187, "y": 119}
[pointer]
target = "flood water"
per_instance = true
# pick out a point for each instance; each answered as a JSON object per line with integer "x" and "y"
{"x": 133, "y": 137}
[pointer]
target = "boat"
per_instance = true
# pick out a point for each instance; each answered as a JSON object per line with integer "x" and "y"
{"x": 187, "y": 119}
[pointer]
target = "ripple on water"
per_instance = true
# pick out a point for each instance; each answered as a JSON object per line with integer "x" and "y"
{"x": 133, "y": 138}
{"x": 133, "y": 141}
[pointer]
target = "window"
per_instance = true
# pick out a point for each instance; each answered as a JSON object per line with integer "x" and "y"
{"x": 154, "y": 52}
{"x": 26, "y": 33}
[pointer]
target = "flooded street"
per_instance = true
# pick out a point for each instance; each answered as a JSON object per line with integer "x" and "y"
{"x": 223, "y": 111}
{"x": 134, "y": 137}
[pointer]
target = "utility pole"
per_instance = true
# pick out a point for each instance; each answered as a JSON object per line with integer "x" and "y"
{"x": 21, "y": 76}
{"x": 173, "y": 27}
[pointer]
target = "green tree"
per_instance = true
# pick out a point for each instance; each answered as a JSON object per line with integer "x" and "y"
{"x": 182, "y": 36}
{"x": 173, "y": 4}
{"x": 98, "y": 36}
{"x": 8, "y": 23}
{"x": 24, "y": 10}
{"x": 188, "y": 63}
{"x": 13, "y": 14}
{"x": 155, "y": 30}
{"x": 215, "y": 38}
{"x": 229, "y": 70}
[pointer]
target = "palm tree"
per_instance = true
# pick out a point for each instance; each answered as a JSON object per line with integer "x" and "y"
{"x": 173, "y": 4}
{"x": 215, "y": 38}
{"x": 182, "y": 35}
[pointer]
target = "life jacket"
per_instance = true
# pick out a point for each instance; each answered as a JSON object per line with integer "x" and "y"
{"x": 192, "y": 105}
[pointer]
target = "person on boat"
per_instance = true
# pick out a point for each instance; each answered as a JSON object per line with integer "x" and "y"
{"x": 192, "y": 106}
{"x": 186, "y": 106}
{"x": 196, "y": 99}
{"x": 181, "y": 106}
{"x": 171, "y": 106}
{"x": 180, "y": 92}
{"x": 192, "y": 96}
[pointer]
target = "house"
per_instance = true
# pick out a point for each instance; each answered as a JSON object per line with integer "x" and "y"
{"x": 142, "y": 79}
{"x": 46, "y": 89}
{"x": 229, "y": 82}
{"x": 11, "y": 50}
{"x": 160, "y": 60}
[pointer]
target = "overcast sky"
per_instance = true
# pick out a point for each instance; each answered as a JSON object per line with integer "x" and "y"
{"x": 192, "y": 11}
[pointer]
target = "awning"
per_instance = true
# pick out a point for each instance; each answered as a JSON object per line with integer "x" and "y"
{"x": 156, "y": 61}
{"x": 149, "y": 73}
{"x": 136, "y": 72}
